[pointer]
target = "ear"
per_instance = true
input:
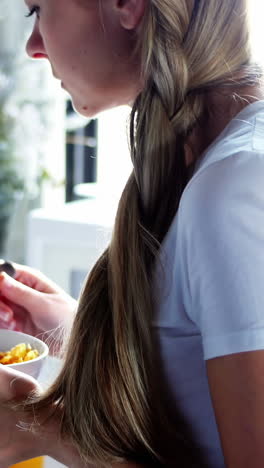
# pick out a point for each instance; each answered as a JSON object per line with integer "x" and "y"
{"x": 131, "y": 12}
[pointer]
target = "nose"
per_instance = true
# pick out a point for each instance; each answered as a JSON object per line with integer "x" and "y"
{"x": 35, "y": 47}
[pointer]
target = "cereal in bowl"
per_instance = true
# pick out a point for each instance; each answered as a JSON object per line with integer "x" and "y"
{"x": 20, "y": 353}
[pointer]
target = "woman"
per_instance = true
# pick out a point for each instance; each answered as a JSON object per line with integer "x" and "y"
{"x": 165, "y": 359}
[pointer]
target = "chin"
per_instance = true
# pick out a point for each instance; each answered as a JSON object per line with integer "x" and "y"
{"x": 92, "y": 110}
{"x": 84, "y": 110}
{"x": 89, "y": 110}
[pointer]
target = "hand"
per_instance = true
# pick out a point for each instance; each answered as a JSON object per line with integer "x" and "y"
{"x": 16, "y": 444}
{"x": 19, "y": 444}
{"x": 33, "y": 304}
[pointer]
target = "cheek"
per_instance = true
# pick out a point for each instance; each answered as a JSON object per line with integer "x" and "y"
{"x": 86, "y": 58}
{"x": 90, "y": 66}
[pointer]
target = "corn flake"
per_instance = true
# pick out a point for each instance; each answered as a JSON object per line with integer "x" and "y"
{"x": 20, "y": 353}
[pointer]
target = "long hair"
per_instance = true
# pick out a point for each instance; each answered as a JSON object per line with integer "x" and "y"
{"x": 107, "y": 390}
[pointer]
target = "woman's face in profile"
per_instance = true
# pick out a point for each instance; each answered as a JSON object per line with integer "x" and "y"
{"x": 89, "y": 50}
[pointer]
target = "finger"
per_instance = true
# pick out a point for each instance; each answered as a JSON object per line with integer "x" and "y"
{"x": 17, "y": 320}
{"x": 12, "y": 325}
{"x": 17, "y": 292}
{"x": 22, "y": 321}
{"x": 6, "y": 313}
{"x": 15, "y": 384}
{"x": 34, "y": 279}
{"x": 22, "y": 387}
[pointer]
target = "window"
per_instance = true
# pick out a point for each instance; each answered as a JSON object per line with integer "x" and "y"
{"x": 81, "y": 153}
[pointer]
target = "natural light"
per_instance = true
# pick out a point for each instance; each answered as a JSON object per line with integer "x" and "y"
{"x": 257, "y": 30}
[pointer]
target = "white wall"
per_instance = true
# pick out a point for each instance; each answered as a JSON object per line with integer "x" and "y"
{"x": 256, "y": 8}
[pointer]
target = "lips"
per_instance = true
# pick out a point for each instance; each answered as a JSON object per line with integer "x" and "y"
{"x": 38, "y": 55}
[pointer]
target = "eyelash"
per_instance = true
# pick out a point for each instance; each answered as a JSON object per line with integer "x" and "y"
{"x": 34, "y": 10}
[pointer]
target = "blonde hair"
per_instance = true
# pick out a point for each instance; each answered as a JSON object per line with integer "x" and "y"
{"x": 108, "y": 390}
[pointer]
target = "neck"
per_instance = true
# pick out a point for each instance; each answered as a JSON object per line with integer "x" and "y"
{"x": 221, "y": 107}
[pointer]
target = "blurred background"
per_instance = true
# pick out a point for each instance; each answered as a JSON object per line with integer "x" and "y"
{"x": 60, "y": 174}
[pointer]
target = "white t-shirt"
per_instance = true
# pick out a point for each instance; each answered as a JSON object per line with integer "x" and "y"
{"x": 210, "y": 287}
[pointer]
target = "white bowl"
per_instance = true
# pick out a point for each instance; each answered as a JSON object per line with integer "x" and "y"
{"x": 9, "y": 339}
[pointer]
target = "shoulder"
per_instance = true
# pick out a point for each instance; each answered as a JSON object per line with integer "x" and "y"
{"x": 233, "y": 163}
{"x": 231, "y": 183}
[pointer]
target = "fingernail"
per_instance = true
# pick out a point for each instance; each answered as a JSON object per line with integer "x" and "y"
{"x": 4, "y": 316}
{"x": 3, "y": 278}
{"x": 12, "y": 382}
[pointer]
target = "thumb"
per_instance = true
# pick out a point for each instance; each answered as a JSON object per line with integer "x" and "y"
{"x": 16, "y": 385}
{"x": 17, "y": 292}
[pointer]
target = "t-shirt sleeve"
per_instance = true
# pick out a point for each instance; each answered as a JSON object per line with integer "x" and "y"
{"x": 221, "y": 225}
